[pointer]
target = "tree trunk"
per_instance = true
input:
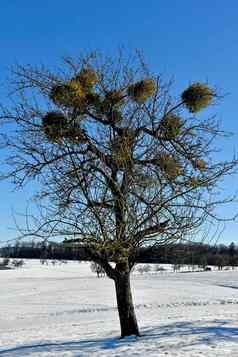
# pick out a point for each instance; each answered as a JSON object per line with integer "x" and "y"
{"x": 125, "y": 306}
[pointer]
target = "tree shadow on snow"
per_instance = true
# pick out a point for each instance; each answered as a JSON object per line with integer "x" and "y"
{"x": 185, "y": 334}
{"x": 77, "y": 347}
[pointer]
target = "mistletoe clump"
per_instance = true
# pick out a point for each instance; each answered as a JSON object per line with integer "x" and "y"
{"x": 72, "y": 93}
{"x": 61, "y": 94}
{"x": 68, "y": 94}
{"x": 169, "y": 165}
{"x": 197, "y": 97}
{"x": 54, "y": 125}
{"x": 93, "y": 100}
{"x": 194, "y": 182}
{"x": 107, "y": 105}
{"x": 199, "y": 164}
{"x": 87, "y": 77}
{"x": 77, "y": 88}
{"x": 170, "y": 126}
{"x": 114, "y": 98}
{"x": 122, "y": 147}
{"x": 115, "y": 250}
{"x": 142, "y": 90}
{"x": 118, "y": 251}
{"x": 76, "y": 135}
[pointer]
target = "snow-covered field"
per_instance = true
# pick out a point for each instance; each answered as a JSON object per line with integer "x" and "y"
{"x": 65, "y": 310}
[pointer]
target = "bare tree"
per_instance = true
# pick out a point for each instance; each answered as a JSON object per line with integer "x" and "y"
{"x": 120, "y": 162}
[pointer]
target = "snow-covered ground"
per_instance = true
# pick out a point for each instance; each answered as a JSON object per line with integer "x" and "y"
{"x": 65, "y": 310}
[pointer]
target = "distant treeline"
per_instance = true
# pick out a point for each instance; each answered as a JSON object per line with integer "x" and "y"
{"x": 180, "y": 254}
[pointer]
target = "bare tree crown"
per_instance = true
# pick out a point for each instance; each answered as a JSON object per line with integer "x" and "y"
{"x": 121, "y": 162}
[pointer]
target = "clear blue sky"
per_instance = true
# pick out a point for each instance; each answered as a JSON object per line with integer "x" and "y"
{"x": 189, "y": 40}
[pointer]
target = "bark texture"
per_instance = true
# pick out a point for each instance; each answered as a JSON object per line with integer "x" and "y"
{"x": 125, "y": 306}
